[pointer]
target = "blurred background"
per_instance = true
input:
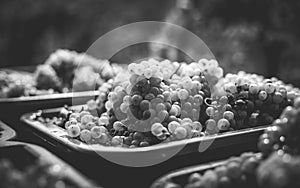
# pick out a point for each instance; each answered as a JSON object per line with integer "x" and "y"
{"x": 257, "y": 36}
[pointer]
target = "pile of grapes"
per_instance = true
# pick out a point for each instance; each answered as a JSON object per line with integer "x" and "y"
{"x": 160, "y": 101}
{"x": 234, "y": 173}
{"x": 35, "y": 175}
{"x": 277, "y": 166}
{"x": 253, "y": 99}
{"x": 15, "y": 84}
{"x": 64, "y": 71}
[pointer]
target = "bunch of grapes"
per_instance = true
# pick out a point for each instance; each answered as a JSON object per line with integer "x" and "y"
{"x": 252, "y": 99}
{"x": 284, "y": 134}
{"x": 277, "y": 166}
{"x": 66, "y": 66}
{"x": 157, "y": 101}
{"x": 220, "y": 116}
{"x": 15, "y": 84}
{"x": 35, "y": 175}
{"x": 280, "y": 146}
{"x": 235, "y": 172}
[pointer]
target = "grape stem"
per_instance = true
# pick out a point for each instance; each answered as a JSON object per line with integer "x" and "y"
{"x": 211, "y": 105}
{"x": 176, "y": 71}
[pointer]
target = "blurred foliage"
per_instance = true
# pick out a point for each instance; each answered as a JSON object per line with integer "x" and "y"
{"x": 31, "y": 29}
{"x": 261, "y": 36}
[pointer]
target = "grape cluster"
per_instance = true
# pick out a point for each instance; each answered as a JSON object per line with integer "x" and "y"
{"x": 277, "y": 166}
{"x": 154, "y": 101}
{"x": 280, "y": 146}
{"x": 160, "y": 101}
{"x": 72, "y": 70}
{"x": 35, "y": 175}
{"x": 284, "y": 134}
{"x": 252, "y": 99}
{"x": 64, "y": 71}
{"x": 279, "y": 170}
{"x": 16, "y": 84}
{"x": 235, "y": 171}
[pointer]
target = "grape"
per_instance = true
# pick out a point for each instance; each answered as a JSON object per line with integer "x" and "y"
{"x": 168, "y": 106}
{"x": 297, "y": 102}
{"x": 234, "y": 170}
{"x": 68, "y": 123}
{"x": 221, "y": 171}
{"x": 85, "y": 135}
{"x": 167, "y": 95}
{"x": 197, "y": 85}
{"x": 174, "y": 96}
{"x": 127, "y": 100}
{"x": 210, "y": 111}
{"x": 113, "y": 97}
{"x": 183, "y": 94}
{"x": 144, "y": 144}
{"x": 146, "y": 114}
{"x": 92, "y": 105}
{"x": 184, "y": 114}
{"x": 74, "y": 116}
{"x": 262, "y": 95}
{"x": 118, "y": 125}
{"x": 230, "y": 88}
{"x": 144, "y": 105}
{"x": 136, "y": 100}
{"x": 108, "y": 105}
{"x": 124, "y": 107}
{"x": 73, "y": 130}
{"x": 148, "y": 73}
{"x": 197, "y": 126}
{"x": 180, "y": 133}
{"x": 172, "y": 126}
{"x": 174, "y": 111}
{"x": 228, "y": 115}
{"x": 210, "y": 179}
{"x": 103, "y": 139}
{"x": 103, "y": 120}
{"x": 86, "y": 119}
{"x": 211, "y": 124}
{"x": 156, "y": 129}
{"x": 250, "y": 165}
{"x": 223, "y": 124}
{"x": 160, "y": 107}
{"x": 195, "y": 177}
{"x": 163, "y": 115}
{"x": 90, "y": 125}
{"x": 97, "y": 131}
{"x": 270, "y": 88}
{"x": 187, "y": 106}
{"x": 219, "y": 72}
{"x": 150, "y": 96}
{"x": 83, "y": 113}
{"x": 198, "y": 99}
{"x": 187, "y": 83}
{"x": 223, "y": 100}
{"x": 139, "y": 69}
{"x": 131, "y": 68}
{"x": 155, "y": 91}
{"x": 116, "y": 141}
{"x": 290, "y": 95}
{"x": 194, "y": 114}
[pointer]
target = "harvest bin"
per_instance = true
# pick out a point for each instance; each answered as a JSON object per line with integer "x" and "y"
{"x": 23, "y": 155}
{"x": 12, "y": 108}
{"x": 92, "y": 164}
{"x": 6, "y": 133}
